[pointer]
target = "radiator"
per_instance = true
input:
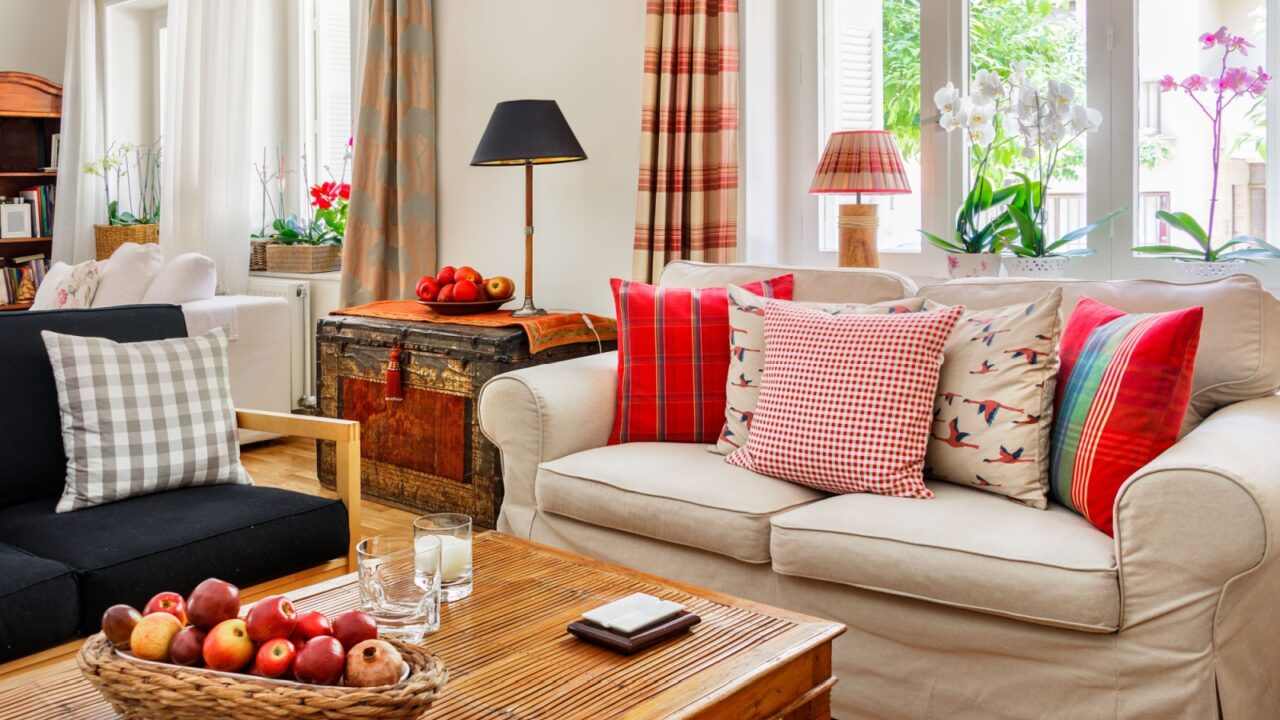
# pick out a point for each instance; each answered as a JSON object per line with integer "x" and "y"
{"x": 302, "y": 341}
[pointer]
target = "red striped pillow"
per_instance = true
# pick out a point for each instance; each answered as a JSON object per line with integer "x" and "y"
{"x": 846, "y": 401}
{"x": 673, "y": 359}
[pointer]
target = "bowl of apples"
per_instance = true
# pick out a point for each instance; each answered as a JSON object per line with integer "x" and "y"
{"x": 464, "y": 291}
{"x": 200, "y": 657}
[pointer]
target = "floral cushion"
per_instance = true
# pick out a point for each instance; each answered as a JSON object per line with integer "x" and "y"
{"x": 77, "y": 291}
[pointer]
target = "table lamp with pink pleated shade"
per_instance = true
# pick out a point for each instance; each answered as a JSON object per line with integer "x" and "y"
{"x": 858, "y": 162}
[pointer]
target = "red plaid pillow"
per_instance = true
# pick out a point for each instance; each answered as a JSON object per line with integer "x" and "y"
{"x": 673, "y": 359}
{"x": 846, "y": 401}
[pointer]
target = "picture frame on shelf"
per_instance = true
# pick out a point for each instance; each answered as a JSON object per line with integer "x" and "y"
{"x": 15, "y": 221}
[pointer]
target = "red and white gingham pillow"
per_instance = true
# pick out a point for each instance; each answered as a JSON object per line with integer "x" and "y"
{"x": 846, "y": 401}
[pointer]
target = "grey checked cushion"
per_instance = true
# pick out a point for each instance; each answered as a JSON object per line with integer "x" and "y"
{"x": 143, "y": 417}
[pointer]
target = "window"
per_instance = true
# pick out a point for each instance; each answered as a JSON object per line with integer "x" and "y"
{"x": 1153, "y": 153}
{"x": 331, "y": 124}
{"x": 871, "y": 51}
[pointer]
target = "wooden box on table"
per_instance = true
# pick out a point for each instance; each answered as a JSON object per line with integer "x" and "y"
{"x": 424, "y": 453}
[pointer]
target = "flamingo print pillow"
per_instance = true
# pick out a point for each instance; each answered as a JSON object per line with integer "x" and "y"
{"x": 993, "y": 414}
{"x": 746, "y": 361}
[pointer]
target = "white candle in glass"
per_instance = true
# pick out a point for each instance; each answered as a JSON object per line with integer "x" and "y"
{"x": 455, "y": 557}
{"x": 426, "y": 556}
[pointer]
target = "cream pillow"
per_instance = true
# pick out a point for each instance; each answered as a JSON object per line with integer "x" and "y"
{"x": 993, "y": 415}
{"x": 746, "y": 360}
{"x": 128, "y": 273}
{"x": 190, "y": 276}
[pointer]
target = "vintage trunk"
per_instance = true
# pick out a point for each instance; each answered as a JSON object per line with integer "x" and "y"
{"x": 424, "y": 453}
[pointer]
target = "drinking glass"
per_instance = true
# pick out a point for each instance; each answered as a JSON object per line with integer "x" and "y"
{"x": 400, "y": 585}
{"x": 452, "y": 532}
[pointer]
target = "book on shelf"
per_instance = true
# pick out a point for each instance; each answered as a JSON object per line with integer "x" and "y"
{"x": 41, "y": 199}
{"x": 22, "y": 278}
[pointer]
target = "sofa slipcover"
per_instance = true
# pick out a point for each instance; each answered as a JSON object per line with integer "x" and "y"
{"x": 964, "y": 547}
{"x": 125, "y": 552}
{"x": 843, "y": 285}
{"x": 39, "y": 606}
{"x": 677, "y": 492}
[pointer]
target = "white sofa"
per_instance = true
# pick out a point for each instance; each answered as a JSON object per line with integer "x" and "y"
{"x": 967, "y": 605}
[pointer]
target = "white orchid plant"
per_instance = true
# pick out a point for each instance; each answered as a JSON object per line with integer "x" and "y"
{"x": 1004, "y": 107}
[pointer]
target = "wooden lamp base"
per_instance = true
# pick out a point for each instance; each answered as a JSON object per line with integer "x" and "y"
{"x": 858, "y": 224}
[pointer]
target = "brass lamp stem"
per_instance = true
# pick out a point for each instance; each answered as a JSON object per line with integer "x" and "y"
{"x": 528, "y": 309}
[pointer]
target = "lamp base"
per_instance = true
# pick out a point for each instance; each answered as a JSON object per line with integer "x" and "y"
{"x": 528, "y": 309}
{"x": 858, "y": 224}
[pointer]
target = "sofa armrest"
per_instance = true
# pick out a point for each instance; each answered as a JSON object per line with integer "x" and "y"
{"x": 1195, "y": 534}
{"x": 346, "y": 436}
{"x": 541, "y": 413}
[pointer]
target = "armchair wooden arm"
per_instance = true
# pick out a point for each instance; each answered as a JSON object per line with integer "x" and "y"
{"x": 344, "y": 433}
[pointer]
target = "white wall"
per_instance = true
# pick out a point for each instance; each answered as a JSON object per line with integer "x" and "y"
{"x": 588, "y": 56}
{"x": 33, "y": 37}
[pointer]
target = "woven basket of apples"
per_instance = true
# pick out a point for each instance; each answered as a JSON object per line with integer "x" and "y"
{"x": 463, "y": 291}
{"x": 197, "y": 658}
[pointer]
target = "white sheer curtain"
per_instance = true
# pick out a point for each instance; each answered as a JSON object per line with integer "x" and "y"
{"x": 80, "y": 199}
{"x": 207, "y": 133}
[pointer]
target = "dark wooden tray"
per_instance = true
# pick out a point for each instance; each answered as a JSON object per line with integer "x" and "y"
{"x": 643, "y": 638}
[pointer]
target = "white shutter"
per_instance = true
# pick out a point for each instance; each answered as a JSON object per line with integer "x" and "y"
{"x": 855, "y": 91}
{"x": 333, "y": 84}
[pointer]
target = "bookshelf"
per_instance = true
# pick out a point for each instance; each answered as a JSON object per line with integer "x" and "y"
{"x": 30, "y": 115}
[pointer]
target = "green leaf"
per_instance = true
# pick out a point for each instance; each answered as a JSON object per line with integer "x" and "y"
{"x": 1082, "y": 232}
{"x": 1027, "y": 230}
{"x": 1187, "y": 224}
{"x": 1077, "y": 252}
{"x": 1169, "y": 250}
{"x": 939, "y": 242}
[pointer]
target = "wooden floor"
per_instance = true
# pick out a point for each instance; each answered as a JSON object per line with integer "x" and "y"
{"x": 290, "y": 463}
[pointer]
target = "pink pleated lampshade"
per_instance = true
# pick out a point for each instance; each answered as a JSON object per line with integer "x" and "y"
{"x": 861, "y": 161}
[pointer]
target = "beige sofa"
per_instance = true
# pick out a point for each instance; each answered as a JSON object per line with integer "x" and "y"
{"x": 967, "y": 605}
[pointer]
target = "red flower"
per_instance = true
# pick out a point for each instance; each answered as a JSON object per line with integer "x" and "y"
{"x": 344, "y": 191}
{"x": 325, "y": 194}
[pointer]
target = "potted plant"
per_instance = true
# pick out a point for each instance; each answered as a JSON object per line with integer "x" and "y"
{"x": 974, "y": 247}
{"x": 130, "y": 172}
{"x": 315, "y": 244}
{"x": 273, "y": 185}
{"x": 1047, "y": 120}
{"x": 1206, "y": 261}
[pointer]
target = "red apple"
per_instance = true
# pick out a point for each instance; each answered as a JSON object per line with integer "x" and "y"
{"x": 373, "y": 663}
{"x": 466, "y": 272}
{"x": 311, "y": 624}
{"x": 446, "y": 275}
{"x": 499, "y": 288}
{"x": 227, "y": 647}
{"x": 445, "y": 294}
{"x": 275, "y": 658}
{"x": 167, "y": 602}
{"x": 427, "y": 288}
{"x": 151, "y": 636}
{"x": 353, "y": 627}
{"x": 320, "y": 661}
{"x": 272, "y": 617}
{"x": 187, "y": 647}
{"x": 466, "y": 291}
{"x": 118, "y": 623}
{"x": 211, "y": 602}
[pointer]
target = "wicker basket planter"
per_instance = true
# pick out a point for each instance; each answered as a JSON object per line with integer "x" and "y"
{"x": 303, "y": 258}
{"x": 107, "y": 238}
{"x": 149, "y": 691}
{"x": 258, "y": 254}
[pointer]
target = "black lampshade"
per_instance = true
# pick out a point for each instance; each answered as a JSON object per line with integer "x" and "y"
{"x": 527, "y": 131}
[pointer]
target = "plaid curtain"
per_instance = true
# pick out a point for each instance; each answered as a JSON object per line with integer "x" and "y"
{"x": 391, "y": 232}
{"x": 688, "y": 197}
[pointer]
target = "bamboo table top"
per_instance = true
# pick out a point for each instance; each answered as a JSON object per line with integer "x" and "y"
{"x": 509, "y": 655}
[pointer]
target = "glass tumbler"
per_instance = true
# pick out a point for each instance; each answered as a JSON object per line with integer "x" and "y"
{"x": 452, "y": 532}
{"x": 400, "y": 586}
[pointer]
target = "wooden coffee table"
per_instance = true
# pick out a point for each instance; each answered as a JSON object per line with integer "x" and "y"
{"x": 510, "y": 657}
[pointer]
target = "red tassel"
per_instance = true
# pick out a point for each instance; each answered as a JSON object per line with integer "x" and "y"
{"x": 395, "y": 390}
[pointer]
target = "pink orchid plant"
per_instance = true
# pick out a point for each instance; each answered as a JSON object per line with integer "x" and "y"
{"x": 1213, "y": 96}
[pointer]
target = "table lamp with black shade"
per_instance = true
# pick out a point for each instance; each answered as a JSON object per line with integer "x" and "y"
{"x": 528, "y": 133}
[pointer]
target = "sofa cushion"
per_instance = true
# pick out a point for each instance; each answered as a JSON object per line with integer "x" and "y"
{"x": 127, "y": 551}
{"x": 29, "y": 413}
{"x": 1239, "y": 314}
{"x": 842, "y": 285}
{"x": 675, "y": 492}
{"x": 964, "y": 548}
{"x": 39, "y": 607}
